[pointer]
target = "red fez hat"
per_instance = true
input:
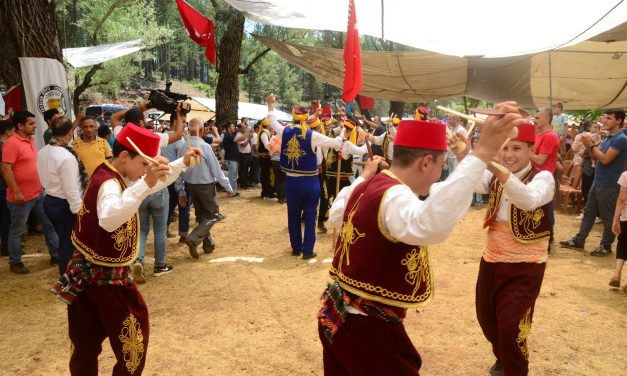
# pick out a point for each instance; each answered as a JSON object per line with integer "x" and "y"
{"x": 420, "y": 134}
{"x": 526, "y": 133}
{"x": 146, "y": 140}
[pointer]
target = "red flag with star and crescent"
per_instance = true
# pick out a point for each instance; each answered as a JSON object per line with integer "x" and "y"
{"x": 199, "y": 28}
{"x": 352, "y": 57}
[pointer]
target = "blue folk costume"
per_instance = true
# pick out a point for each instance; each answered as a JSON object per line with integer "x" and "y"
{"x": 298, "y": 160}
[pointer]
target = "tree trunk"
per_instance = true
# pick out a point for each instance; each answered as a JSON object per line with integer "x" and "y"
{"x": 29, "y": 28}
{"x": 227, "y": 90}
{"x": 397, "y": 108}
{"x": 166, "y": 64}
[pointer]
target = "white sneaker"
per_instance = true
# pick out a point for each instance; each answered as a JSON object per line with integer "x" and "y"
{"x": 580, "y": 216}
{"x": 138, "y": 273}
{"x": 597, "y": 220}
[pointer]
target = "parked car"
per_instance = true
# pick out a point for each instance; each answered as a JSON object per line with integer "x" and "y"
{"x": 103, "y": 112}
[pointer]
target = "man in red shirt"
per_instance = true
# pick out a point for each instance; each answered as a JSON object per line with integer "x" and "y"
{"x": 547, "y": 142}
{"x": 545, "y": 155}
{"x": 24, "y": 191}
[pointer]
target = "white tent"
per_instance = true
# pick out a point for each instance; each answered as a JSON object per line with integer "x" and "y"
{"x": 249, "y": 110}
{"x": 489, "y": 28}
{"x": 86, "y": 56}
{"x": 586, "y": 75}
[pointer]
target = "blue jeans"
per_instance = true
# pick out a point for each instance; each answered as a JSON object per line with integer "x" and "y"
{"x": 5, "y": 222}
{"x": 63, "y": 221}
{"x": 155, "y": 206}
{"x": 19, "y": 216}
{"x": 184, "y": 216}
{"x": 601, "y": 203}
{"x": 232, "y": 174}
{"x": 478, "y": 199}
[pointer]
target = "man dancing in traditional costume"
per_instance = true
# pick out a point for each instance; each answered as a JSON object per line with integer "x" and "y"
{"x": 299, "y": 161}
{"x": 381, "y": 264}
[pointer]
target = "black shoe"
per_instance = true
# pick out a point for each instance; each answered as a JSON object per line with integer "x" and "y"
{"x": 309, "y": 256}
{"x": 571, "y": 243}
{"x": 161, "y": 270}
{"x": 54, "y": 261}
{"x": 170, "y": 235}
{"x": 192, "y": 248}
{"x": 497, "y": 369}
{"x": 183, "y": 239}
{"x": 19, "y": 268}
{"x": 219, "y": 217}
{"x": 322, "y": 228}
{"x": 601, "y": 251}
{"x": 208, "y": 248}
{"x": 296, "y": 253}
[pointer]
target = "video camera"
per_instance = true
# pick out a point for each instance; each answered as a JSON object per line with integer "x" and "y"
{"x": 167, "y": 100}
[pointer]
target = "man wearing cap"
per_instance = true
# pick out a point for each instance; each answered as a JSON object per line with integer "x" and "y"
{"x": 103, "y": 300}
{"x": 299, "y": 161}
{"x": 346, "y": 170}
{"x": 381, "y": 264}
{"x": 515, "y": 254}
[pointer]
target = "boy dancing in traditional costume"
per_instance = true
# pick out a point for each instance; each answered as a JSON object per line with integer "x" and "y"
{"x": 103, "y": 300}
{"x": 515, "y": 253}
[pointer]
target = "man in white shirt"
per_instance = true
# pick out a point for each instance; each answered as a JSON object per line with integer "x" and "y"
{"x": 456, "y": 126}
{"x": 244, "y": 148}
{"x": 64, "y": 178}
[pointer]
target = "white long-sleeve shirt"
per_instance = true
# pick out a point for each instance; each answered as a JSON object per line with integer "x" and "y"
{"x": 58, "y": 172}
{"x": 539, "y": 191}
{"x": 117, "y": 206}
{"x": 317, "y": 139}
{"x": 416, "y": 222}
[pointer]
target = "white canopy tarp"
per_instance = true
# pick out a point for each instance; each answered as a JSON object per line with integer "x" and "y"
{"x": 587, "y": 75}
{"x": 249, "y": 110}
{"x": 488, "y": 28}
{"x": 86, "y": 56}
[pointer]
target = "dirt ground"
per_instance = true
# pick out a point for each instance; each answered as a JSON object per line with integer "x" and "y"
{"x": 249, "y": 318}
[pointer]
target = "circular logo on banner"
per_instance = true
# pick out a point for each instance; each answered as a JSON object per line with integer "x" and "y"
{"x": 51, "y": 96}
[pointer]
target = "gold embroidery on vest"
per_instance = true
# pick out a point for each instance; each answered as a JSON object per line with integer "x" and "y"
{"x": 331, "y": 157}
{"x": 125, "y": 236}
{"x": 348, "y": 235}
{"x": 293, "y": 152}
{"x": 80, "y": 215}
{"x": 418, "y": 269}
{"x": 132, "y": 340}
{"x": 525, "y": 328}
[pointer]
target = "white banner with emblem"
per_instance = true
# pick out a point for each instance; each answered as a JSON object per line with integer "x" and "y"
{"x": 45, "y": 87}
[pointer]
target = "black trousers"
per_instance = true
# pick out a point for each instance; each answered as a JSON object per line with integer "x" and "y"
{"x": 58, "y": 211}
{"x": 265, "y": 165}
{"x": 206, "y": 208}
{"x": 279, "y": 180}
{"x": 243, "y": 165}
{"x": 323, "y": 209}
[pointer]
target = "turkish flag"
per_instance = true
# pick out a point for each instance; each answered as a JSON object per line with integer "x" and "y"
{"x": 352, "y": 57}
{"x": 199, "y": 28}
{"x": 13, "y": 100}
{"x": 366, "y": 103}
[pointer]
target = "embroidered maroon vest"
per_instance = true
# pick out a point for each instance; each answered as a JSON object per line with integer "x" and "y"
{"x": 117, "y": 248}
{"x": 527, "y": 226}
{"x": 369, "y": 263}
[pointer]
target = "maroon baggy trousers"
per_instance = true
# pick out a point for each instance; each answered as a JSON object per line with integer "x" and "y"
{"x": 369, "y": 346}
{"x": 117, "y": 312}
{"x": 505, "y": 298}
